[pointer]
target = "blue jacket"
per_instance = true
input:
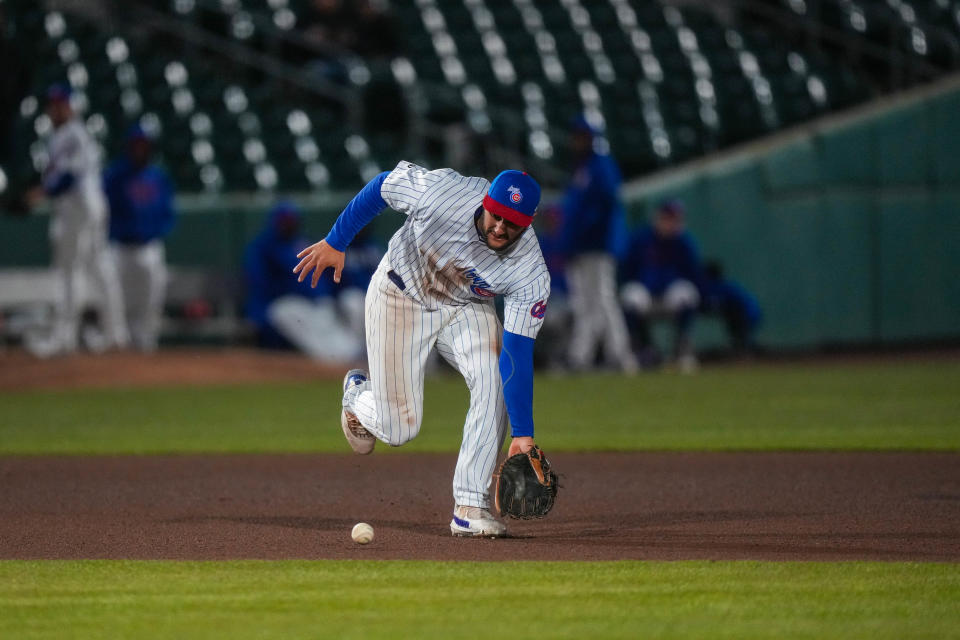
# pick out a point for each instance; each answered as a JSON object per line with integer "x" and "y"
{"x": 268, "y": 268}
{"x": 553, "y": 254}
{"x": 726, "y": 295}
{"x": 656, "y": 262}
{"x": 361, "y": 261}
{"x": 593, "y": 214}
{"x": 141, "y": 202}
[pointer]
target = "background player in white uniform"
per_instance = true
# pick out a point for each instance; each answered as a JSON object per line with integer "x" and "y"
{"x": 464, "y": 241}
{"x": 78, "y": 228}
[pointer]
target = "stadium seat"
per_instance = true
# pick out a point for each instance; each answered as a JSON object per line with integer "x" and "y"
{"x": 708, "y": 96}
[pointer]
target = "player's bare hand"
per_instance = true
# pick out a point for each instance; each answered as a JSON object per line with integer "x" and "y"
{"x": 318, "y": 258}
{"x": 520, "y": 445}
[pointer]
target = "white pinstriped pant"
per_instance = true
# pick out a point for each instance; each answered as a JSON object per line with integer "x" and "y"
{"x": 400, "y": 336}
{"x": 142, "y": 269}
{"x": 81, "y": 257}
{"x": 598, "y": 318}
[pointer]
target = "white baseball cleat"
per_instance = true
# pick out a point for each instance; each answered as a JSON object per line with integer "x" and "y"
{"x": 360, "y": 440}
{"x": 474, "y": 522}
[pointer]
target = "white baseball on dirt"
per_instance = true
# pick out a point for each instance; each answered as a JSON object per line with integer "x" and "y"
{"x": 362, "y": 533}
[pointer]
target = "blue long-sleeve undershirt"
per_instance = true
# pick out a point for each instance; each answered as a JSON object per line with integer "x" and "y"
{"x": 59, "y": 185}
{"x": 358, "y": 213}
{"x": 516, "y": 371}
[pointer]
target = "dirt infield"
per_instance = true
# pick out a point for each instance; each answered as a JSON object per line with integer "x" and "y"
{"x": 779, "y": 506}
{"x": 19, "y": 371}
{"x": 771, "y": 506}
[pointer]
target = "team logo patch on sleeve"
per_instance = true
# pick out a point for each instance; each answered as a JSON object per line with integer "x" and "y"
{"x": 538, "y": 309}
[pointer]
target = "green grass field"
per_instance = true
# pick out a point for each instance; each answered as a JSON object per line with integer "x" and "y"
{"x": 878, "y": 406}
{"x": 895, "y": 405}
{"x": 359, "y": 599}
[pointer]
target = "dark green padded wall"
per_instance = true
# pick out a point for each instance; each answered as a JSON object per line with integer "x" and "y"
{"x": 846, "y": 273}
{"x": 209, "y": 238}
{"x": 849, "y": 156}
{"x": 920, "y": 266}
{"x": 903, "y": 146}
{"x": 846, "y": 234}
{"x": 945, "y": 139}
{"x": 24, "y": 241}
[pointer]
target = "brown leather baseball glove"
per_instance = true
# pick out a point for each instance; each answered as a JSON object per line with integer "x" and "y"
{"x": 526, "y": 485}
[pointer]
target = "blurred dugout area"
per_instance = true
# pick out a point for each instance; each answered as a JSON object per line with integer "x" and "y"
{"x": 241, "y": 96}
{"x": 244, "y": 100}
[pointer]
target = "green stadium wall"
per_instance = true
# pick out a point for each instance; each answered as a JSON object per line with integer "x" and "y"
{"x": 847, "y": 230}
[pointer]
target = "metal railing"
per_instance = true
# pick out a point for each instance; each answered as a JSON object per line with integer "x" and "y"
{"x": 905, "y": 70}
{"x": 506, "y": 148}
{"x": 242, "y": 54}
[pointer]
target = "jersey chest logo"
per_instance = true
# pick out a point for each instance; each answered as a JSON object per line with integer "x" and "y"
{"x": 478, "y": 285}
{"x": 142, "y": 191}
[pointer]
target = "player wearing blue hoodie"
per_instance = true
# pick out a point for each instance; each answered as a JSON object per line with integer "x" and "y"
{"x": 592, "y": 237}
{"x": 663, "y": 277}
{"x": 140, "y": 196}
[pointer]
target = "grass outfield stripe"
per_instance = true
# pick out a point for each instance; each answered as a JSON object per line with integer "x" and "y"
{"x": 875, "y": 406}
{"x": 409, "y": 599}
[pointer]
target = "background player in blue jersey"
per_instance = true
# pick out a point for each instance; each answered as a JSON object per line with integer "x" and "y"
{"x": 663, "y": 275}
{"x": 267, "y": 262}
{"x": 739, "y": 308}
{"x": 140, "y": 196}
{"x": 465, "y": 240}
{"x": 287, "y": 313}
{"x": 594, "y": 234}
{"x": 366, "y": 252}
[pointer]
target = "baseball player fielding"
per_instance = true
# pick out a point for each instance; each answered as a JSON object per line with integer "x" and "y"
{"x": 465, "y": 240}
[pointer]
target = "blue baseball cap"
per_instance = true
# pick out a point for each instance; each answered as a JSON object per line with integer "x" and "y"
{"x": 284, "y": 215}
{"x": 582, "y": 125}
{"x": 59, "y": 91}
{"x": 671, "y": 207}
{"x": 514, "y": 196}
{"x": 137, "y": 132}
{"x": 285, "y": 209}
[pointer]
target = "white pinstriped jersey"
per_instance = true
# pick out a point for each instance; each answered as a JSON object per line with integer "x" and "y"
{"x": 443, "y": 260}
{"x": 72, "y": 150}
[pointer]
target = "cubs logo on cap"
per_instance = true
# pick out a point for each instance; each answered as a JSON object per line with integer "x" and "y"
{"x": 514, "y": 196}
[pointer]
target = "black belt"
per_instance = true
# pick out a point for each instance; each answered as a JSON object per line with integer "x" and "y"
{"x": 397, "y": 280}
